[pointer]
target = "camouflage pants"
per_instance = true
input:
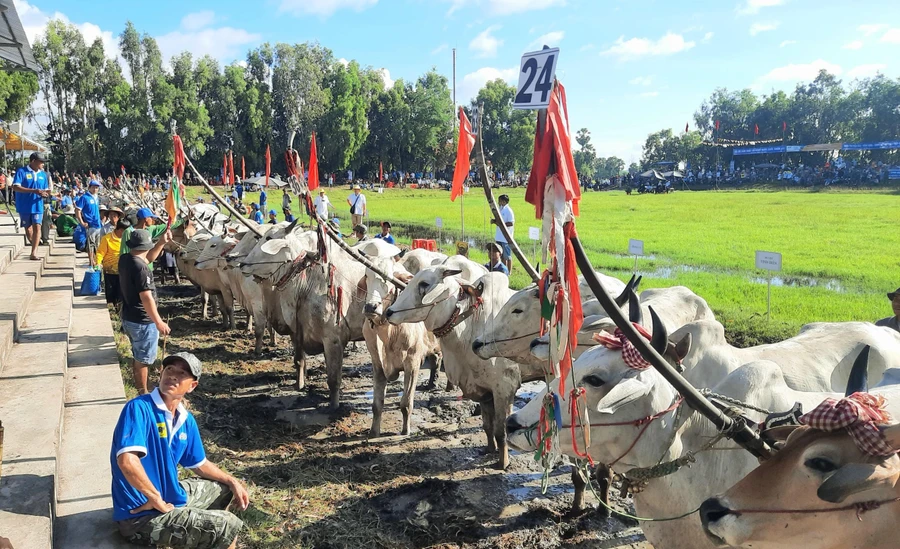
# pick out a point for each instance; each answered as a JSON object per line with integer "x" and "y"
{"x": 201, "y": 524}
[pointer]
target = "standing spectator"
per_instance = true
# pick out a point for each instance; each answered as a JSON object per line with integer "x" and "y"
{"x": 273, "y": 217}
{"x": 358, "y": 209}
{"x": 239, "y": 187}
{"x": 256, "y": 215}
{"x": 108, "y": 258}
{"x": 288, "y": 216}
{"x": 87, "y": 210}
{"x": 113, "y": 215}
{"x": 322, "y": 204}
{"x": 509, "y": 219}
{"x": 146, "y": 219}
{"x": 263, "y": 199}
{"x": 285, "y": 199}
{"x": 495, "y": 260}
{"x": 386, "y": 232}
{"x": 892, "y": 321}
{"x": 31, "y": 185}
{"x": 140, "y": 318}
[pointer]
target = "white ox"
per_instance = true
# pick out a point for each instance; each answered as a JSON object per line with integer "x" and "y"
{"x": 815, "y": 470}
{"x": 394, "y": 349}
{"x": 619, "y": 394}
{"x": 318, "y": 303}
{"x": 208, "y": 281}
{"x": 442, "y": 298}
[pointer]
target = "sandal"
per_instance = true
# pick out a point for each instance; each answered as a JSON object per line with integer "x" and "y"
{"x": 34, "y": 258}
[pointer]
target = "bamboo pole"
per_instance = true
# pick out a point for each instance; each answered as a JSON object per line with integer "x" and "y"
{"x": 254, "y": 229}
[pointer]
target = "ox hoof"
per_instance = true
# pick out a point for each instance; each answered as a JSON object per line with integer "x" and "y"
{"x": 374, "y": 433}
{"x": 502, "y": 464}
{"x": 300, "y": 385}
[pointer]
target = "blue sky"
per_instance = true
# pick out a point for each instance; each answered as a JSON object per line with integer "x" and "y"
{"x": 630, "y": 66}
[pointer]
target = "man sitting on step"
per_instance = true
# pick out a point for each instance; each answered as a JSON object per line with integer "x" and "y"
{"x": 155, "y": 434}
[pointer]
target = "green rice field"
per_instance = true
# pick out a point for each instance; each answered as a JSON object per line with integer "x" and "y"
{"x": 840, "y": 250}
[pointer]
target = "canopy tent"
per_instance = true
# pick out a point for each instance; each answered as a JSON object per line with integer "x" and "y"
{"x": 261, "y": 181}
{"x": 653, "y": 174}
{"x": 15, "y": 142}
{"x": 674, "y": 173}
{"x": 14, "y": 48}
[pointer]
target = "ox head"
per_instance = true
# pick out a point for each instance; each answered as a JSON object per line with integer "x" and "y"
{"x": 270, "y": 257}
{"x": 428, "y": 290}
{"x": 615, "y": 392}
{"x": 521, "y": 322}
{"x": 380, "y": 292}
{"x": 191, "y": 251}
{"x": 214, "y": 252}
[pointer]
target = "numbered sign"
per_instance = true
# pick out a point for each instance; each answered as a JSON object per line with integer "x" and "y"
{"x": 770, "y": 261}
{"x": 635, "y": 247}
{"x": 536, "y": 76}
{"x": 534, "y": 233}
{"x": 439, "y": 223}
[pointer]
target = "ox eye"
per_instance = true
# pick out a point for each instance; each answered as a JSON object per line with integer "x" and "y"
{"x": 423, "y": 286}
{"x": 822, "y": 465}
{"x": 593, "y": 380}
{"x": 517, "y": 312}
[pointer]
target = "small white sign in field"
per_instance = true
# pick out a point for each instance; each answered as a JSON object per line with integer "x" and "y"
{"x": 536, "y": 75}
{"x": 635, "y": 247}
{"x": 534, "y": 233}
{"x": 439, "y": 223}
{"x": 769, "y": 261}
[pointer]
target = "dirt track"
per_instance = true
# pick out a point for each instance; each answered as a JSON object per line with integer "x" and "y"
{"x": 316, "y": 481}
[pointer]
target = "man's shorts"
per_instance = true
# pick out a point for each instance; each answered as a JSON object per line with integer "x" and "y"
{"x": 27, "y": 220}
{"x": 505, "y": 252}
{"x": 201, "y": 524}
{"x": 144, "y": 340}
{"x": 94, "y": 235}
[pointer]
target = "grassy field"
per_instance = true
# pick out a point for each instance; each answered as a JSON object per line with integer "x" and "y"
{"x": 838, "y": 248}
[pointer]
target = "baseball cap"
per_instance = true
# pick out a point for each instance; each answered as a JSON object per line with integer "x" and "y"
{"x": 893, "y": 294}
{"x": 254, "y": 205}
{"x": 139, "y": 240}
{"x": 38, "y": 155}
{"x": 188, "y": 358}
{"x": 273, "y": 212}
{"x": 144, "y": 213}
{"x": 94, "y": 183}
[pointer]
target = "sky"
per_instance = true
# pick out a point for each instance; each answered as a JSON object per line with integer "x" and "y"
{"x": 630, "y": 67}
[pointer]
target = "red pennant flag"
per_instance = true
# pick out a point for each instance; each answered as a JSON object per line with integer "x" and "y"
{"x": 717, "y": 125}
{"x": 231, "y": 166}
{"x": 225, "y": 169}
{"x": 784, "y": 126}
{"x": 756, "y": 129}
{"x": 686, "y": 127}
{"x": 243, "y": 168}
{"x": 313, "y": 180}
{"x": 268, "y": 164}
{"x": 380, "y": 171}
{"x": 463, "y": 150}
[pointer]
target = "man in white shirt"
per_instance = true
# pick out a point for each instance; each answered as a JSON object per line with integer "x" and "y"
{"x": 358, "y": 209}
{"x": 321, "y": 204}
{"x": 509, "y": 219}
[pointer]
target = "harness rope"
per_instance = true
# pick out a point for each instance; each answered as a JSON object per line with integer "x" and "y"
{"x": 861, "y": 508}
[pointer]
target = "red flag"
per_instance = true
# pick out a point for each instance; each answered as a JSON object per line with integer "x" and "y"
{"x": 463, "y": 150}
{"x": 717, "y": 125}
{"x": 380, "y": 171}
{"x": 755, "y": 129}
{"x": 225, "y": 169}
{"x": 784, "y": 126}
{"x": 268, "y": 164}
{"x": 686, "y": 127}
{"x": 313, "y": 181}
{"x": 231, "y": 166}
{"x": 243, "y": 168}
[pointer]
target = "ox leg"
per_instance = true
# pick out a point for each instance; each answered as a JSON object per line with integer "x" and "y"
{"x": 259, "y": 332}
{"x": 410, "y": 375}
{"x": 604, "y": 477}
{"x": 487, "y": 422}
{"x": 204, "y": 298}
{"x": 299, "y": 360}
{"x": 250, "y": 322}
{"x": 580, "y": 484}
{"x": 273, "y": 336}
{"x": 432, "y": 373}
{"x": 334, "y": 362}
{"x": 378, "y": 390}
{"x": 502, "y": 408}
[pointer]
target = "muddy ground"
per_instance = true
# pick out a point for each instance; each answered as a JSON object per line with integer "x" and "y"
{"x": 316, "y": 480}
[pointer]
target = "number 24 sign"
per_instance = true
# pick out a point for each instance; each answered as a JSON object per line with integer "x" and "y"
{"x": 536, "y": 79}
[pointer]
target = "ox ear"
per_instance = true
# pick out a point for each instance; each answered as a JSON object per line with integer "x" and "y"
{"x": 473, "y": 290}
{"x": 451, "y": 272}
{"x": 681, "y": 349}
{"x": 435, "y": 293}
{"x": 858, "y": 382}
{"x": 540, "y": 349}
{"x": 629, "y": 389}
{"x": 272, "y": 247}
{"x": 854, "y": 478}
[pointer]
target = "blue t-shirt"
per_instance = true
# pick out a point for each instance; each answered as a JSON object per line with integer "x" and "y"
{"x": 257, "y": 216}
{"x": 289, "y": 218}
{"x": 389, "y": 238}
{"x": 240, "y": 190}
{"x": 90, "y": 210}
{"x": 498, "y": 268}
{"x": 262, "y": 199}
{"x": 27, "y": 203}
{"x": 146, "y": 427}
{"x": 66, "y": 202}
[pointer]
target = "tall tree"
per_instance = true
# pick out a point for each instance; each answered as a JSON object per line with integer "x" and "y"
{"x": 586, "y": 156}
{"x": 507, "y": 133}
{"x": 342, "y": 130}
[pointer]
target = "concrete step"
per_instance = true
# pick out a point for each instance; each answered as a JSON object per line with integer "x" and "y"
{"x": 18, "y": 282}
{"x": 32, "y": 383}
{"x": 10, "y": 246}
{"x": 94, "y": 398}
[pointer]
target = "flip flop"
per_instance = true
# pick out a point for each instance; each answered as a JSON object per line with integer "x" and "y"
{"x": 34, "y": 258}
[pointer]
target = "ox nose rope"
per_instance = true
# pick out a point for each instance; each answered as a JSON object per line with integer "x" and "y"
{"x": 861, "y": 508}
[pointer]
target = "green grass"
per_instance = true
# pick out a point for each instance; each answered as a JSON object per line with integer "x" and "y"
{"x": 707, "y": 239}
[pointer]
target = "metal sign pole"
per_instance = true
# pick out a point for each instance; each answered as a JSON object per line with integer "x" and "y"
{"x": 769, "y": 301}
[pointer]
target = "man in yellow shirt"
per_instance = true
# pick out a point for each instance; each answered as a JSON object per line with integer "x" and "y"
{"x": 108, "y": 257}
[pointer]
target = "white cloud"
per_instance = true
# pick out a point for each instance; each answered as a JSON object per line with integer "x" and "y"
{"x": 648, "y": 94}
{"x": 551, "y": 39}
{"x": 386, "y": 76}
{"x": 640, "y": 47}
{"x": 787, "y": 43}
{"x": 641, "y": 81}
{"x": 854, "y": 45}
{"x": 751, "y": 7}
{"x": 474, "y": 81}
{"x": 869, "y": 30}
{"x": 797, "y": 73}
{"x": 891, "y": 37}
{"x": 323, "y": 8}
{"x": 865, "y": 71}
{"x": 485, "y": 44}
{"x": 198, "y": 20}
{"x": 34, "y": 21}
{"x": 707, "y": 37}
{"x": 586, "y": 47}
{"x": 439, "y": 49}
{"x": 344, "y": 62}
{"x": 757, "y": 28}
{"x": 506, "y": 7}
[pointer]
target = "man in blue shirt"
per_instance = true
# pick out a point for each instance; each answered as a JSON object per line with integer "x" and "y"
{"x": 495, "y": 265}
{"x": 263, "y": 200}
{"x": 256, "y": 215}
{"x": 386, "y": 233}
{"x": 87, "y": 211}
{"x": 155, "y": 434}
{"x": 288, "y": 216}
{"x": 31, "y": 185}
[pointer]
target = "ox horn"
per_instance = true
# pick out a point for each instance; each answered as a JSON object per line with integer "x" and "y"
{"x": 290, "y": 228}
{"x": 637, "y": 283}
{"x": 634, "y": 307}
{"x": 622, "y": 298}
{"x": 858, "y": 382}
{"x": 660, "y": 338}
